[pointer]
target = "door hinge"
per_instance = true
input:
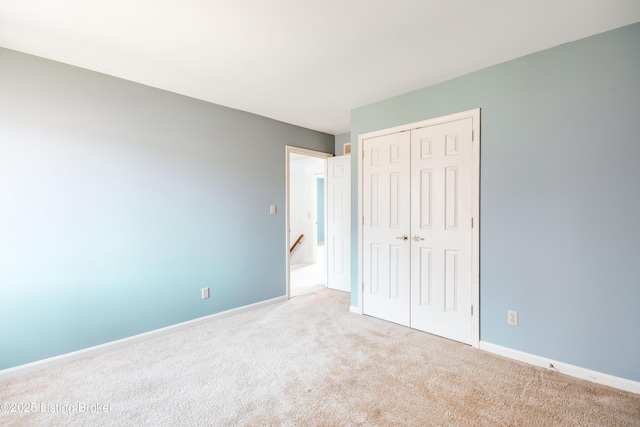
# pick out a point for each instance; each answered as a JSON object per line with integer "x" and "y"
{"x": 471, "y": 222}
{"x": 362, "y": 220}
{"x": 362, "y": 286}
{"x": 472, "y": 310}
{"x": 473, "y": 134}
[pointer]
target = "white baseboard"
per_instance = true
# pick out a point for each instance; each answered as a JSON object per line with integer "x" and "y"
{"x": 355, "y": 310}
{"x": 51, "y": 362}
{"x": 563, "y": 368}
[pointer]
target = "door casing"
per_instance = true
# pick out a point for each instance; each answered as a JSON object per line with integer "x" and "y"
{"x": 475, "y": 270}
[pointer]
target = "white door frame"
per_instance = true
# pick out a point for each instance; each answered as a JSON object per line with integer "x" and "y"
{"x": 289, "y": 149}
{"x": 475, "y": 269}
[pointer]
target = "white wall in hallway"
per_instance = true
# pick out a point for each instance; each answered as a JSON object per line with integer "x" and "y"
{"x": 302, "y": 193}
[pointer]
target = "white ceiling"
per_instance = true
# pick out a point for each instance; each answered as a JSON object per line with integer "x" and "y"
{"x": 305, "y": 62}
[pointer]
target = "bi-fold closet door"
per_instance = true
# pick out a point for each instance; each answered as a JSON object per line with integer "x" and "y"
{"x": 417, "y": 228}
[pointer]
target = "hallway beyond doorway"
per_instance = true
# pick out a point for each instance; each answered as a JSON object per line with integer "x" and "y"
{"x": 307, "y": 278}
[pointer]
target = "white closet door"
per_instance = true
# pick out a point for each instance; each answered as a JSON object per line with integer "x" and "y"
{"x": 441, "y": 232}
{"x": 338, "y": 223}
{"x": 386, "y": 227}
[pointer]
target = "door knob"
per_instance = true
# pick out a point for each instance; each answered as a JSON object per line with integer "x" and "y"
{"x": 405, "y": 237}
{"x": 417, "y": 238}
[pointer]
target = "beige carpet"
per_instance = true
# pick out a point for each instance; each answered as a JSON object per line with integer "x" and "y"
{"x": 306, "y": 362}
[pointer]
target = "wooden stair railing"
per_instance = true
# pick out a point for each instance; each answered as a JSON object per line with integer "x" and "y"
{"x": 296, "y": 243}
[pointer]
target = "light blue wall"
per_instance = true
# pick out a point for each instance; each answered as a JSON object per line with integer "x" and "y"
{"x": 560, "y": 196}
{"x": 118, "y": 202}
{"x": 340, "y": 140}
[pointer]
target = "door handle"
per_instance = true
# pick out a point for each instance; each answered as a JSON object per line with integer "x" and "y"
{"x": 417, "y": 238}
{"x": 405, "y": 237}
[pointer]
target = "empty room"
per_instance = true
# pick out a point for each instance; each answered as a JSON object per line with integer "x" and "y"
{"x": 460, "y": 178}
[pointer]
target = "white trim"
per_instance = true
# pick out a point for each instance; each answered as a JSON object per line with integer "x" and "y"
{"x": 359, "y": 284}
{"x": 475, "y": 285}
{"x": 475, "y": 114}
{"x": 475, "y": 250}
{"x": 354, "y": 309}
{"x": 62, "y": 359}
{"x": 563, "y": 368}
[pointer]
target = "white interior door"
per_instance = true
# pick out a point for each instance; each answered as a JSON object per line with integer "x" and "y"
{"x": 441, "y": 230}
{"x": 386, "y": 227}
{"x": 338, "y": 223}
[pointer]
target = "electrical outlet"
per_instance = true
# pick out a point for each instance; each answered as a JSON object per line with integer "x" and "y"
{"x": 205, "y": 293}
{"x": 512, "y": 318}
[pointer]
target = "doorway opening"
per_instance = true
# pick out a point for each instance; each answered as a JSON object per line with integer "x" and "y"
{"x": 305, "y": 211}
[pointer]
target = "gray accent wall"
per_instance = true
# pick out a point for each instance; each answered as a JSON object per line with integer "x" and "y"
{"x": 560, "y": 196}
{"x": 119, "y": 202}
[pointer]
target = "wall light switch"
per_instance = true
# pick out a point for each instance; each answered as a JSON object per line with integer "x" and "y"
{"x": 272, "y": 209}
{"x": 205, "y": 293}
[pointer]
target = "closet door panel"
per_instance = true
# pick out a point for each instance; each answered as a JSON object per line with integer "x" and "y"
{"x": 441, "y": 244}
{"x": 386, "y": 227}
